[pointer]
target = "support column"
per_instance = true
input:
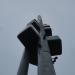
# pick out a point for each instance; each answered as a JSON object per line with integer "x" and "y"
{"x": 24, "y": 64}
{"x": 45, "y": 65}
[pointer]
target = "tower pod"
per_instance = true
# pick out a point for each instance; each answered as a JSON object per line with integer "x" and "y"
{"x": 55, "y": 45}
{"x": 48, "y": 30}
{"x": 29, "y": 38}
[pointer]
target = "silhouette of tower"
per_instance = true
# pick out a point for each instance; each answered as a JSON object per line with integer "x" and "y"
{"x": 40, "y": 46}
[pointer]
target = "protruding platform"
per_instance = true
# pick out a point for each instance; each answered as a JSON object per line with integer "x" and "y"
{"x": 29, "y": 38}
{"x": 55, "y": 45}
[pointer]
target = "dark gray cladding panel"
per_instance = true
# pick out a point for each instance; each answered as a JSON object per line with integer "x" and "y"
{"x": 48, "y": 31}
{"x": 35, "y": 24}
{"x": 55, "y": 45}
{"x": 29, "y": 39}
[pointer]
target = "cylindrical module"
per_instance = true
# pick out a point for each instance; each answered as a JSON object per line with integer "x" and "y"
{"x": 24, "y": 64}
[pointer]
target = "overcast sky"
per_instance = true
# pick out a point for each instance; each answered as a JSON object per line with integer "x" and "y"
{"x": 15, "y": 14}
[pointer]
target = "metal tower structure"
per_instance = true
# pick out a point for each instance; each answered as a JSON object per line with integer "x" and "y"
{"x": 40, "y": 46}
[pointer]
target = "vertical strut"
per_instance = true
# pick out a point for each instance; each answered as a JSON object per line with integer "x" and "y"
{"x": 24, "y": 64}
{"x": 45, "y": 65}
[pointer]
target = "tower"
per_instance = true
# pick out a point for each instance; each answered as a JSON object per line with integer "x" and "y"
{"x": 40, "y": 45}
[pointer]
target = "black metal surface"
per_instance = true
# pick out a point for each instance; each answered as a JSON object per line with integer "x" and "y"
{"x": 55, "y": 45}
{"x": 48, "y": 31}
{"x": 35, "y": 24}
{"x": 29, "y": 39}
